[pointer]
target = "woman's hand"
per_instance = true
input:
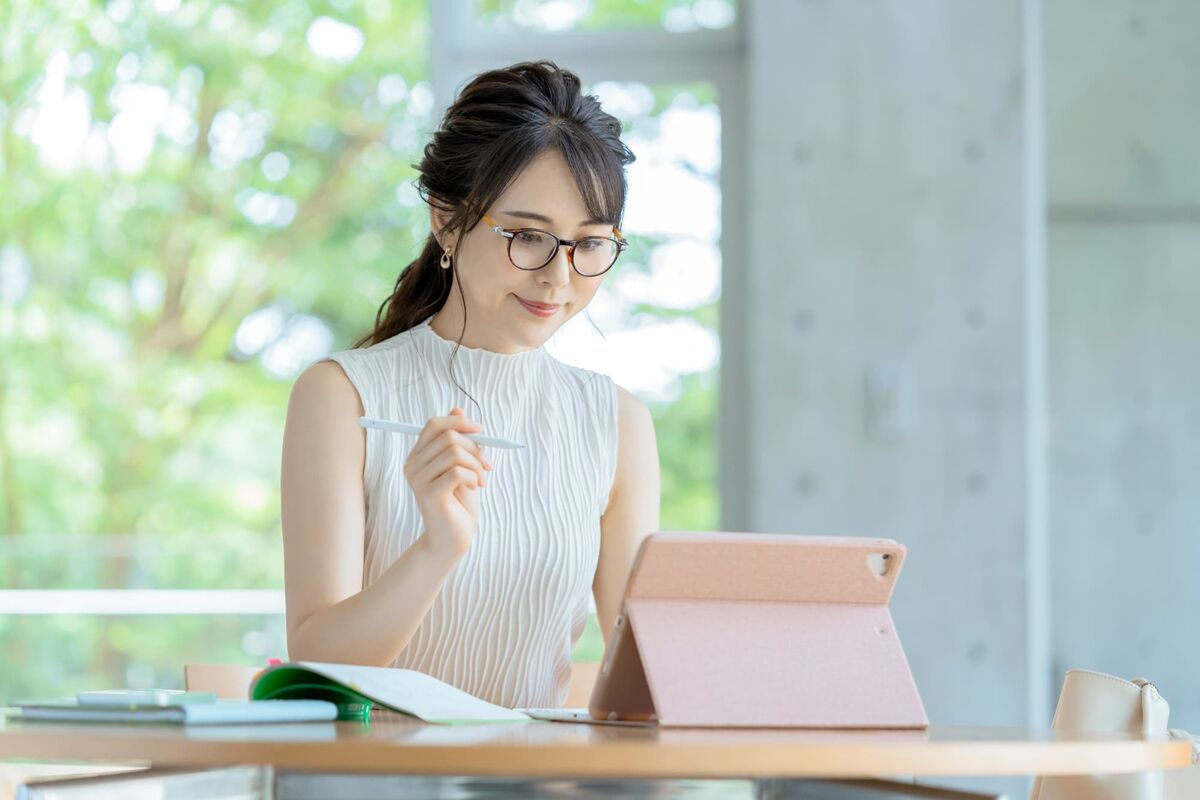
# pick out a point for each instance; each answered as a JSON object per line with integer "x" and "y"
{"x": 445, "y": 470}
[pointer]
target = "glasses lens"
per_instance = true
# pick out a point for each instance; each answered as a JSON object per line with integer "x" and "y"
{"x": 595, "y": 254}
{"x": 531, "y": 249}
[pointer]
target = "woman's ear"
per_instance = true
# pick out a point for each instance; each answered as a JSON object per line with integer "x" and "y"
{"x": 438, "y": 220}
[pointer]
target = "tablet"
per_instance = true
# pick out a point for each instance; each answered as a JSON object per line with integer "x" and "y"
{"x": 727, "y": 629}
{"x": 580, "y": 715}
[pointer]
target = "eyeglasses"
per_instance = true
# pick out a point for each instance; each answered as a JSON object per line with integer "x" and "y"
{"x": 533, "y": 248}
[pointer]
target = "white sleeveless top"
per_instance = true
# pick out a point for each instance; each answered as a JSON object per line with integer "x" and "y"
{"x": 503, "y": 626}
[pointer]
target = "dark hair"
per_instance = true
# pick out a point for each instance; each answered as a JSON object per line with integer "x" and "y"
{"x": 500, "y": 122}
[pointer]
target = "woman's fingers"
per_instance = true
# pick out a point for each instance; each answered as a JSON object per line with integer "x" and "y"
{"x": 476, "y": 447}
{"x": 428, "y": 445}
{"x": 435, "y": 426}
{"x": 452, "y": 479}
{"x": 418, "y": 461}
{"x": 453, "y": 457}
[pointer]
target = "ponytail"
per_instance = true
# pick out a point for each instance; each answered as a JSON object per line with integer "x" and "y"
{"x": 419, "y": 293}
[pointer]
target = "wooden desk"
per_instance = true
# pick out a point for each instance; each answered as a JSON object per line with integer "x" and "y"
{"x": 397, "y": 745}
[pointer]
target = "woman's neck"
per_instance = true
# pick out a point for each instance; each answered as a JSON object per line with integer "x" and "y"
{"x": 448, "y": 325}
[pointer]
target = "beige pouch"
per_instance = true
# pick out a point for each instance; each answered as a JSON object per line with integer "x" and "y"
{"x": 1094, "y": 701}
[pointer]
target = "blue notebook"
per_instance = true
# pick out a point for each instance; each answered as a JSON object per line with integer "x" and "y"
{"x": 221, "y": 712}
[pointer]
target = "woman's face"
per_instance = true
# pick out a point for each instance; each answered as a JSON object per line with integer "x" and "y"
{"x": 543, "y": 196}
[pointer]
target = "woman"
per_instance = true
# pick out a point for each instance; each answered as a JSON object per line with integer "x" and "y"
{"x": 425, "y": 552}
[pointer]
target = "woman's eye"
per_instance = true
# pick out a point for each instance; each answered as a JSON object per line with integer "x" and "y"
{"x": 529, "y": 237}
{"x": 591, "y": 244}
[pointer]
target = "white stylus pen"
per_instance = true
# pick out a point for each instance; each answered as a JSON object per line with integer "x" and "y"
{"x": 404, "y": 427}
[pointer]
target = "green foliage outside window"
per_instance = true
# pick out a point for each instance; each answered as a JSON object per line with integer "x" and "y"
{"x": 170, "y": 171}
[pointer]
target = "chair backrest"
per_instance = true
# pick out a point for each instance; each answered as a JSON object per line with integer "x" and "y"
{"x": 227, "y": 681}
{"x": 1101, "y": 703}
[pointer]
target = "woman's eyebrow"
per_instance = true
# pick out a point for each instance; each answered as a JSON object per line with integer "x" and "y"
{"x": 543, "y": 218}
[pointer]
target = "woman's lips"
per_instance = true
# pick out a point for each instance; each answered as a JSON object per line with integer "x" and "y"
{"x": 540, "y": 309}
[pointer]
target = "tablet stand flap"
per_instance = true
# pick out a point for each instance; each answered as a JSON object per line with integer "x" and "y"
{"x": 753, "y": 663}
{"x": 767, "y": 567}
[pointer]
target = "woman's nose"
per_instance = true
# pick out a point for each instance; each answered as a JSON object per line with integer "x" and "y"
{"x": 558, "y": 271}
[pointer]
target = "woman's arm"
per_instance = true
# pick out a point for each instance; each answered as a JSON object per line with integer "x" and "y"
{"x": 633, "y": 507}
{"x": 330, "y": 617}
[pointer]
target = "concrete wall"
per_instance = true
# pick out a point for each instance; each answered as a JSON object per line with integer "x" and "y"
{"x": 926, "y": 360}
{"x": 1123, "y": 158}
{"x": 889, "y": 277}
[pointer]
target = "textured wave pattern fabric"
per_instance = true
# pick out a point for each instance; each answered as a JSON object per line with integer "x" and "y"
{"x": 503, "y": 626}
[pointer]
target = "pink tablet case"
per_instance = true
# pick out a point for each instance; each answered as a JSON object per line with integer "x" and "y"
{"x": 760, "y": 630}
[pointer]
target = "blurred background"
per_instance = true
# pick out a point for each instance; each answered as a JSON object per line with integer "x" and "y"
{"x": 927, "y": 270}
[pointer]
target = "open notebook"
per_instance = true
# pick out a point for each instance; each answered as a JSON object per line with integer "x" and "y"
{"x": 355, "y": 688}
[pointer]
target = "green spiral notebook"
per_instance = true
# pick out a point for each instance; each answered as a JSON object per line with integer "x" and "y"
{"x": 356, "y": 688}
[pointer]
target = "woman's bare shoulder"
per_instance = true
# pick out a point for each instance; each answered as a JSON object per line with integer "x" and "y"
{"x": 633, "y": 412}
{"x": 637, "y": 446}
{"x": 327, "y": 386}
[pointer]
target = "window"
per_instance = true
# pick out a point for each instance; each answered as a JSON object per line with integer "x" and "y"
{"x": 658, "y": 309}
{"x": 205, "y": 200}
{"x": 208, "y": 199}
{"x": 672, "y": 72}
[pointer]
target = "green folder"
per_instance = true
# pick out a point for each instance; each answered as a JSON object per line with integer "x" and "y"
{"x": 288, "y": 682}
{"x": 355, "y": 689}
